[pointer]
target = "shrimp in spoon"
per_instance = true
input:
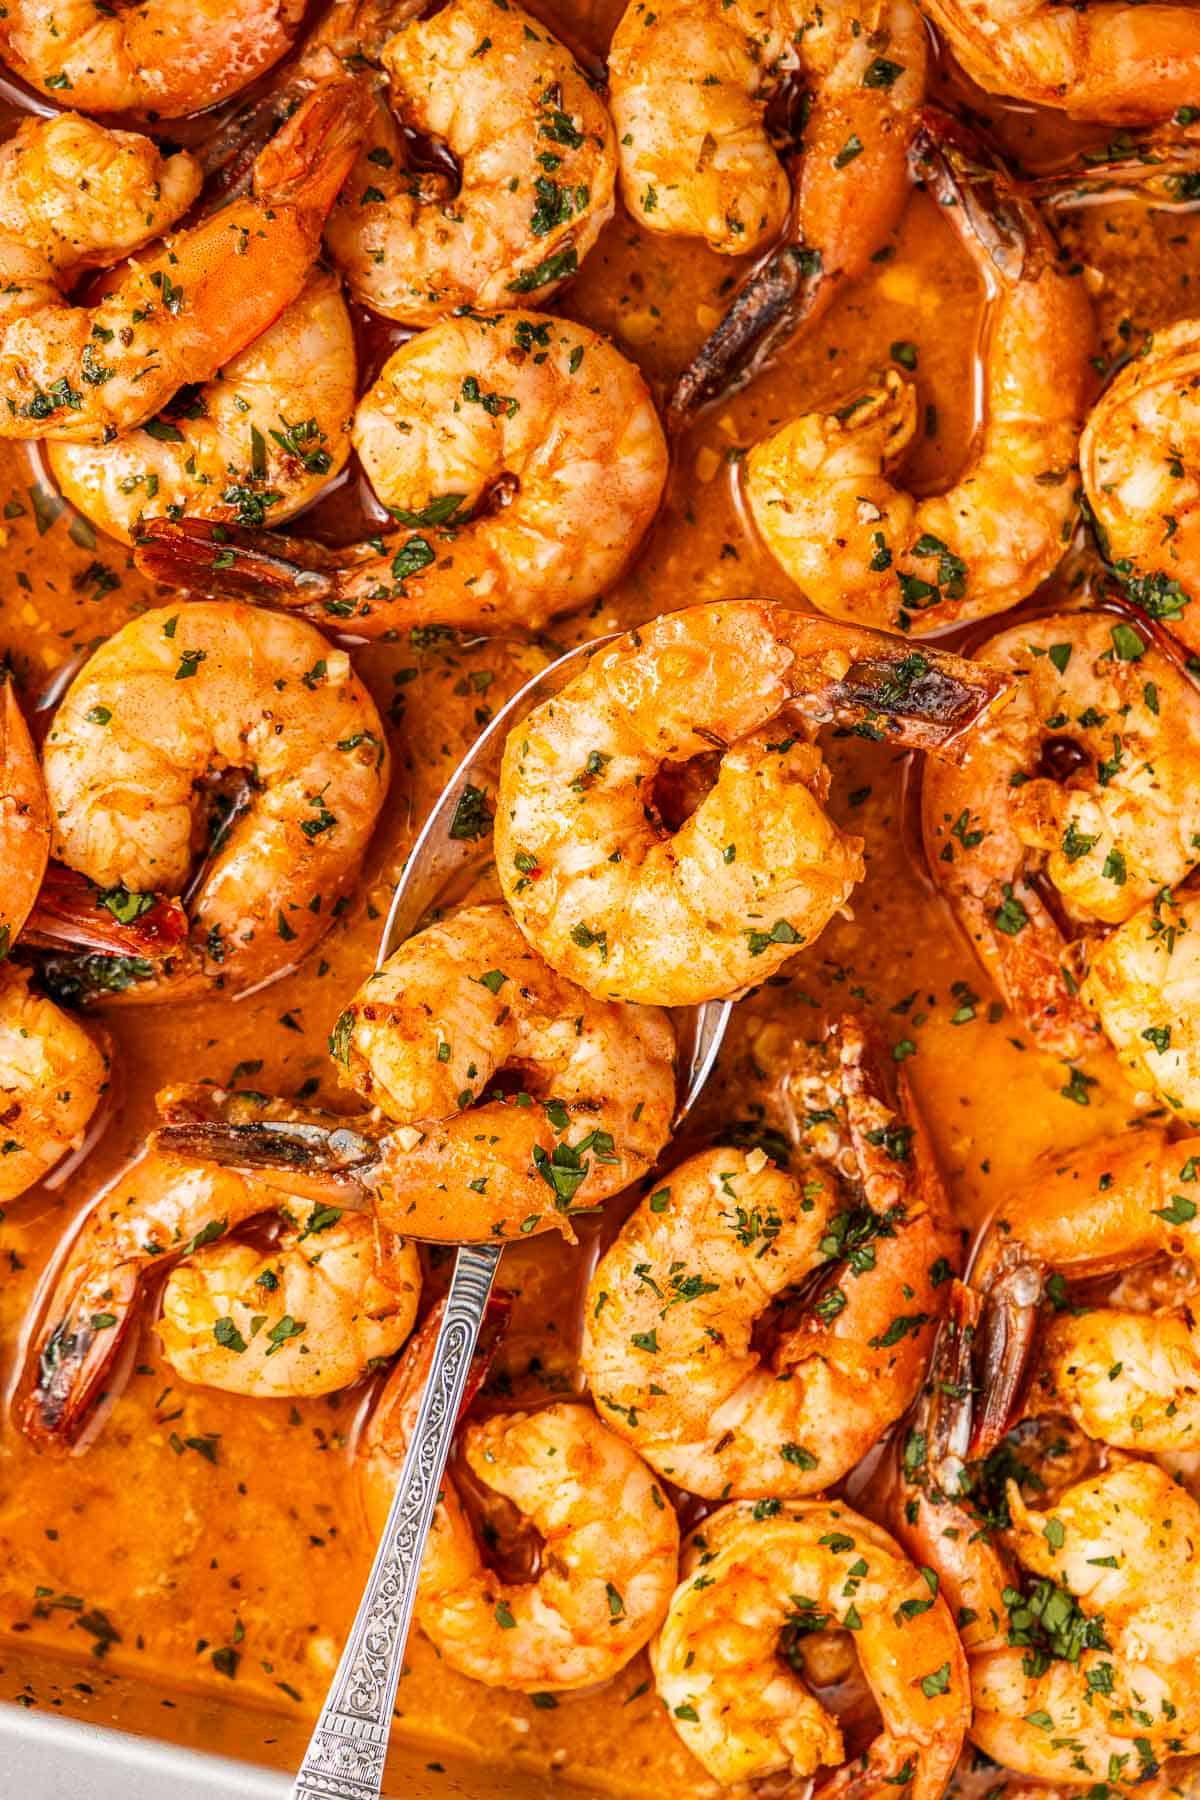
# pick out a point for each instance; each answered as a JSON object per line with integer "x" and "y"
{"x": 695, "y": 93}
{"x": 524, "y": 459}
{"x": 183, "y": 310}
{"x": 822, "y": 490}
{"x": 624, "y": 907}
{"x": 512, "y": 1098}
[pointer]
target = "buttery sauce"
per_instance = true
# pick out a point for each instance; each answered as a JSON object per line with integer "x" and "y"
{"x": 204, "y": 1541}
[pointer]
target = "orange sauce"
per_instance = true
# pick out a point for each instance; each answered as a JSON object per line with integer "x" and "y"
{"x": 206, "y": 1542}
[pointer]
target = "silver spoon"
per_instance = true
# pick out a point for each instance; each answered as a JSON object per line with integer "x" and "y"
{"x": 348, "y": 1748}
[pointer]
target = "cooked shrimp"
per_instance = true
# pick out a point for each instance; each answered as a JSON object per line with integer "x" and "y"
{"x": 821, "y": 490}
{"x": 1143, "y": 982}
{"x": 74, "y": 195}
{"x": 254, "y": 445}
{"x": 522, "y": 405}
{"x": 24, "y": 817}
{"x": 1127, "y": 1378}
{"x": 594, "y": 880}
{"x": 756, "y": 1573}
{"x": 536, "y": 158}
{"x": 669, "y": 1346}
{"x": 160, "y": 1211}
{"x": 1086, "y": 781}
{"x": 609, "y": 1542}
{"x": 437, "y": 1039}
{"x": 334, "y": 1297}
{"x": 185, "y": 309}
{"x": 1080, "y": 1619}
{"x": 1119, "y": 63}
{"x": 53, "y": 1076}
{"x": 162, "y": 57}
{"x": 176, "y": 698}
{"x": 694, "y": 87}
{"x": 1140, "y": 458}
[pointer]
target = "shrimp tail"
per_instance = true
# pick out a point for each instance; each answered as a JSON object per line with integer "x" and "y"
{"x": 75, "y": 1363}
{"x": 923, "y": 699}
{"x": 71, "y": 911}
{"x": 322, "y": 1157}
{"x": 782, "y": 293}
{"x": 956, "y": 170}
{"x": 232, "y": 563}
{"x": 1006, "y": 1339}
{"x": 305, "y": 164}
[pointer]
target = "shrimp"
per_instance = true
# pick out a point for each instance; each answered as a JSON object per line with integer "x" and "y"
{"x": 758, "y": 1576}
{"x": 182, "y": 311}
{"x": 162, "y": 57}
{"x": 24, "y": 817}
{"x": 53, "y": 1076}
{"x": 1079, "y": 1619}
{"x": 609, "y": 1541}
{"x": 174, "y": 700}
{"x": 521, "y": 452}
{"x": 695, "y": 88}
{"x": 486, "y": 1062}
{"x": 254, "y": 445}
{"x": 595, "y": 881}
{"x": 1127, "y": 1378}
{"x": 332, "y": 1299}
{"x": 74, "y": 195}
{"x": 670, "y": 1349}
{"x": 821, "y": 489}
{"x": 1086, "y": 785}
{"x": 536, "y": 169}
{"x": 1140, "y": 459}
{"x": 1118, "y": 63}
{"x": 162, "y": 1212}
{"x": 1142, "y": 983}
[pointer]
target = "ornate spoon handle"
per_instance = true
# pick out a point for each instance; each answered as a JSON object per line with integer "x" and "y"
{"x": 348, "y": 1747}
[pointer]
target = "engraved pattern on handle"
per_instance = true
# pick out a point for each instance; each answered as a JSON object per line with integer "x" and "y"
{"x": 348, "y": 1748}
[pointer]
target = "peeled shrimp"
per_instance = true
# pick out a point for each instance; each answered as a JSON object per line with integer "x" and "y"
{"x": 1087, "y": 780}
{"x": 694, "y": 87}
{"x": 596, "y": 882}
{"x": 179, "y": 697}
{"x": 1140, "y": 457}
{"x": 162, "y": 1211}
{"x": 669, "y": 1346}
{"x": 334, "y": 1297}
{"x": 1143, "y": 983}
{"x": 536, "y": 159}
{"x": 254, "y": 445}
{"x": 758, "y": 1572}
{"x": 1119, "y": 63}
{"x": 1127, "y": 1378}
{"x": 609, "y": 1542}
{"x": 86, "y": 373}
{"x": 522, "y": 455}
{"x": 461, "y": 1006}
{"x": 822, "y": 492}
{"x": 164, "y": 57}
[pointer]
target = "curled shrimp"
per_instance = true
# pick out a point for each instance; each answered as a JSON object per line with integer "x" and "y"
{"x": 1073, "y": 808}
{"x": 216, "y": 692}
{"x": 162, "y": 1213}
{"x": 522, "y": 454}
{"x": 1122, "y": 64}
{"x": 1138, "y": 456}
{"x": 254, "y": 445}
{"x": 624, "y": 907}
{"x": 332, "y": 1298}
{"x": 1079, "y": 1619}
{"x": 758, "y": 1576}
{"x": 163, "y": 57}
{"x": 1129, "y": 1378}
{"x": 535, "y": 171}
{"x": 608, "y": 1541}
{"x": 670, "y": 1346}
{"x": 694, "y": 91}
{"x": 184, "y": 309}
{"x": 822, "y": 490}
{"x": 514, "y": 1098}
